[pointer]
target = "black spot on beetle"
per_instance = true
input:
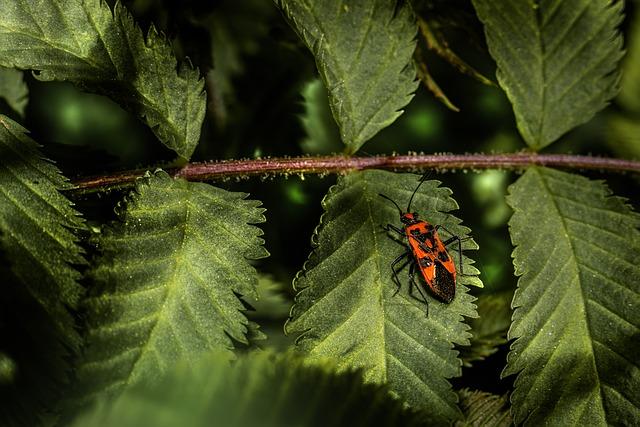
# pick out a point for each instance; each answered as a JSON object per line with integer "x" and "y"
{"x": 443, "y": 256}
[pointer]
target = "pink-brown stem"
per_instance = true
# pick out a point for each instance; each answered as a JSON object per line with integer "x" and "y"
{"x": 213, "y": 170}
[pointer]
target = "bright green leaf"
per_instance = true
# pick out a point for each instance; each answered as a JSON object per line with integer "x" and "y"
{"x": 262, "y": 389}
{"x": 37, "y": 226}
{"x": 483, "y": 409}
{"x": 489, "y": 329}
{"x": 168, "y": 281}
{"x": 556, "y": 60}
{"x": 346, "y": 308}
{"x": 101, "y": 50}
{"x": 577, "y": 307}
{"x": 14, "y": 90}
{"x": 363, "y": 52}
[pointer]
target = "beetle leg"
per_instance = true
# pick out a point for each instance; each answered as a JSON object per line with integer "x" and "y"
{"x": 395, "y": 272}
{"x": 453, "y": 239}
{"x": 391, "y": 227}
{"x": 413, "y": 285}
{"x": 456, "y": 239}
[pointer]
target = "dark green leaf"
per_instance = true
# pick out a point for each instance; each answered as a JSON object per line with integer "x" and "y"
{"x": 346, "y": 307}
{"x": 556, "y": 60}
{"x": 577, "y": 307}
{"x": 363, "y": 51}
{"x": 85, "y": 42}
{"x": 168, "y": 282}
{"x": 37, "y": 226}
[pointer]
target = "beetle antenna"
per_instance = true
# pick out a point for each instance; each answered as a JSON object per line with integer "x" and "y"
{"x": 389, "y": 199}
{"x": 415, "y": 191}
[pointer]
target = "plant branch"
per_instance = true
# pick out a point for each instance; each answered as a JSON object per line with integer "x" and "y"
{"x": 206, "y": 171}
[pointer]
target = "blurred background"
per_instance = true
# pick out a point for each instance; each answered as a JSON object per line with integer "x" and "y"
{"x": 265, "y": 99}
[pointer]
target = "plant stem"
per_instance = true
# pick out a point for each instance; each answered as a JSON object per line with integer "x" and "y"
{"x": 206, "y": 171}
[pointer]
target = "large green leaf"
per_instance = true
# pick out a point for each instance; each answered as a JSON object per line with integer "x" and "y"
{"x": 14, "y": 90}
{"x": 37, "y": 226}
{"x": 577, "y": 307}
{"x": 363, "y": 51}
{"x": 85, "y": 42}
{"x": 168, "y": 281}
{"x": 262, "y": 389}
{"x": 556, "y": 60}
{"x": 346, "y": 306}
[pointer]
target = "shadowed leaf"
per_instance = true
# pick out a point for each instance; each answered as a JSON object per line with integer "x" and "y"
{"x": 576, "y": 320}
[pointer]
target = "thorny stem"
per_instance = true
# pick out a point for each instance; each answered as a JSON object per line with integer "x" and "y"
{"x": 215, "y": 170}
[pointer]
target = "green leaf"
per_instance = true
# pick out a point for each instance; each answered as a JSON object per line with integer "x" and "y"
{"x": 346, "y": 308}
{"x": 363, "y": 52}
{"x": 489, "y": 329}
{"x": 262, "y": 389}
{"x": 483, "y": 409}
{"x": 168, "y": 281}
{"x": 104, "y": 51}
{"x": 14, "y": 90}
{"x": 37, "y": 226}
{"x": 577, "y": 307}
{"x": 323, "y": 136}
{"x": 556, "y": 60}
